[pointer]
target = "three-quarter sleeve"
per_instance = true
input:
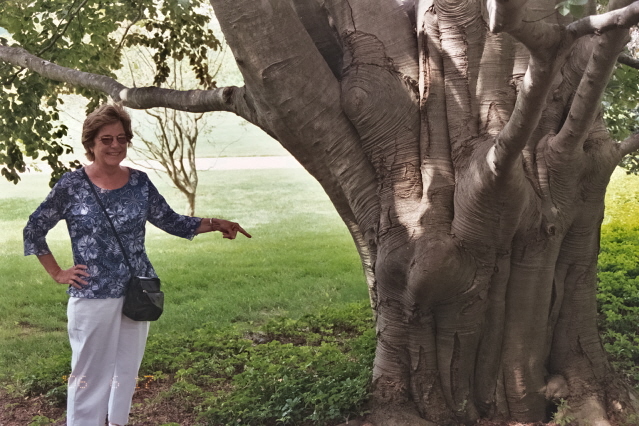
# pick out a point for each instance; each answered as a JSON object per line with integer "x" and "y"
{"x": 46, "y": 216}
{"x": 164, "y": 217}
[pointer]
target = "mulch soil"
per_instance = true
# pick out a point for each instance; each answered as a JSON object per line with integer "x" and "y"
{"x": 147, "y": 410}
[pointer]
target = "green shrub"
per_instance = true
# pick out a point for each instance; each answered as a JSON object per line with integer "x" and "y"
{"x": 618, "y": 297}
{"x": 41, "y": 421}
{"x": 48, "y": 377}
{"x": 313, "y": 369}
{"x": 287, "y": 384}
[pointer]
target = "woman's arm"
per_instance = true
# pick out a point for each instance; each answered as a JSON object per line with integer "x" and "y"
{"x": 72, "y": 276}
{"x": 45, "y": 217}
{"x": 227, "y": 228}
{"x": 162, "y": 215}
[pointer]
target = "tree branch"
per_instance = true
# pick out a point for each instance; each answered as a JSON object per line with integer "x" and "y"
{"x": 624, "y": 18}
{"x": 128, "y": 28}
{"x": 222, "y": 99}
{"x": 231, "y": 99}
{"x": 549, "y": 45}
{"x": 586, "y": 102}
{"x": 628, "y": 61}
{"x": 438, "y": 175}
{"x": 543, "y": 38}
{"x": 462, "y": 31}
{"x": 629, "y": 145}
{"x": 397, "y": 34}
{"x": 383, "y": 71}
{"x": 538, "y": 35}
{"x": 525, "y": 117}
{"x": 606, "y": 49}
{"x": 20, "y": 57}
{"x": 548, "y": 49}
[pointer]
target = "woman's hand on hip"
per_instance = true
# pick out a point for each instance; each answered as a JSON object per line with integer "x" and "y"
{"x": 72, "y": 276}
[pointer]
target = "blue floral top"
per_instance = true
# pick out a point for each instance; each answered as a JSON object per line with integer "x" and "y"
{"x": 92, "y": 238}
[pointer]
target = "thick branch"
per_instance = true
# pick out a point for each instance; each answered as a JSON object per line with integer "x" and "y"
{"x": 623, "y": 18}
{"x": 462, "y": 43}
{"x": 525, "y": 117}
{"x": 548, "y": 49}
{"x": 305, "y": 113}
{"x": 540, "y": 38}
{"x": 548, "y": 45}
{"x": 229, "y": 99}
{"x": 628, "y": 61}
{"x": 544, "y": 38}
{"x": 232, "y": 99}
{"x": 387, "y": 21}
{"x": 378, "y": 64}
{"x": 327, "y": 40}
{"x": 21, "y": 58}
{"x": 438, "y": 176}
{"x": 629, "y": 145}
{"x": 586, "y": 102}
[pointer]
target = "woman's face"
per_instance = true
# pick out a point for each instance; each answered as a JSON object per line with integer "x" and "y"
{"x": 110, "y": 145}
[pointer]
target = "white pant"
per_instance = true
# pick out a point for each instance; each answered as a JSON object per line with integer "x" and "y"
{"x": 107, "y": 350}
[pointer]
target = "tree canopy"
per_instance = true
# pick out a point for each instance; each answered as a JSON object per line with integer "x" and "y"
{"x": 87, "y": 35}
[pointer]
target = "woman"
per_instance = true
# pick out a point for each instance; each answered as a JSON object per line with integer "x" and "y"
{"x": 107, "y": 347}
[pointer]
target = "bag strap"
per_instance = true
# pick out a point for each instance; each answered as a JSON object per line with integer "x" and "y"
{"x": 97, "y": 197}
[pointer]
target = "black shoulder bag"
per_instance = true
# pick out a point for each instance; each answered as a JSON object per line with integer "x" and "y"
{"x": 143, "y": 300}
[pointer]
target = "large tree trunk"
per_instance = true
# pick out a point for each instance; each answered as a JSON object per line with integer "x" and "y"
{"x": 471, "y": 169}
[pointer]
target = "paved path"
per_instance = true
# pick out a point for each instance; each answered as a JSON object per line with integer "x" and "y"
{"x": 232, "y": 163}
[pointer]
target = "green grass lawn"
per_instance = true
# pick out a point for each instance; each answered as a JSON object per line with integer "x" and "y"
{"x": 301, "y": 257}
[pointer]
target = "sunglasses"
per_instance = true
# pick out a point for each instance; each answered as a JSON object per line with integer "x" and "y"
{"x": 108, "y": 140}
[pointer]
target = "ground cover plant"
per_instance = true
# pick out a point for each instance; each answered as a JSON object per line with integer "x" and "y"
{"x": 313, "y": 370}
{"x": 618, "y": 296}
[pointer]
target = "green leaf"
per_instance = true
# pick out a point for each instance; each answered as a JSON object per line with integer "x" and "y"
{"x": 563, "y": 8}
{"x": 577, "y": 10}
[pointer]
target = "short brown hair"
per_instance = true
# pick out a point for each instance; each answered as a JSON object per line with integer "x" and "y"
{"x": 102, "y": 116}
